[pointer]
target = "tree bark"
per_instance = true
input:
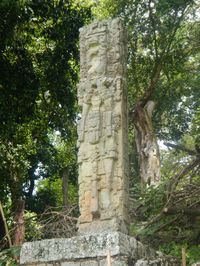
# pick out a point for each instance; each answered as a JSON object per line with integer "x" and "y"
{"x": 146, "y": 143}
{"x": 18, "y": 206}
{"x": 19, "y": 230}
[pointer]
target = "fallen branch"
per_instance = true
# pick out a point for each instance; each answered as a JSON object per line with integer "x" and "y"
{"x": 174, "y": 181}
{"x": 5, "y": 226}
{"x": 185, "y": 211}
{"x": 168, "y": 223}
{"x": 168, "y": 209}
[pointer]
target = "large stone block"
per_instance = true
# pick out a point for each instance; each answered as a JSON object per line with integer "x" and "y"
{"x": 71, "y": 263}
{"x": 80, "y": 247}
{"x": 91, "y": 250}
{"x": 90, "y": 263}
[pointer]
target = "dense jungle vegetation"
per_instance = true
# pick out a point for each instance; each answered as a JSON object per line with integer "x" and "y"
{"x": 39, "y": 70}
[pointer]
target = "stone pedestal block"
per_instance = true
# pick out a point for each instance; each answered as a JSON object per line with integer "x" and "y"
{"x": 91, "y": 250}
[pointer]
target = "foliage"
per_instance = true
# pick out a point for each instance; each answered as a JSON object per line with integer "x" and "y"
{"x": 49, "y": 194}
{"x": 33, "y": 227}
{"x": 39, "y": 59}
{"x": 32, "y": 103}
{"x": 9, "y": 256}
{"x": 39, "y": 62}
{"x": 159, "y": 37}
{"x": 174, "y": 249}
{"x": 167, "y": 216}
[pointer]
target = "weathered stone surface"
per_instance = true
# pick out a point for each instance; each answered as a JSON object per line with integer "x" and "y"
{"x": 89, "y": 263}
{"x": 72, "y": 263}
{"x": 87, "y": 246}
{"x": 102, "y": 130}
{"x": 93, "y": 249}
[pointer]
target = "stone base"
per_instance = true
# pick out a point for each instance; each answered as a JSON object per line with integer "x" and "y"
{"x": 91, "y": 250}
{"x": 103, "y": 226}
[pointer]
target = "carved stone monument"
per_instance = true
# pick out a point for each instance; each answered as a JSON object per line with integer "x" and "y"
{"x": 103, "y": 164}
{"x": 102, "y": 129}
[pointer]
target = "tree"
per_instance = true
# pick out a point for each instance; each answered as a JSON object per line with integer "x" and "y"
{"x": 39, "y": 62}
{"x": 158, "y": 56}
{"x": 163, "y": 84}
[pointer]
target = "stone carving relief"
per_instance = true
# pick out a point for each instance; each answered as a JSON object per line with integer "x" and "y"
{"x": 102, "y": 129}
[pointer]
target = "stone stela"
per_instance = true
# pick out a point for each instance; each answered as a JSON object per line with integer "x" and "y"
{"x": 102, "y": 129}
{"x": 103, "y": 164}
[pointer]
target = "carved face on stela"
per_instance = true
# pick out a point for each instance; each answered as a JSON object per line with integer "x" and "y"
{"x": 96, "y": 58}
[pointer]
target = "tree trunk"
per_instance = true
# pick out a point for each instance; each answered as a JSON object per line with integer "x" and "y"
{"x": 19, "y": 230}
{"x": 65, "y": 187}
{"x": 146, "y": 143}
{"x": 18, "y": 206}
